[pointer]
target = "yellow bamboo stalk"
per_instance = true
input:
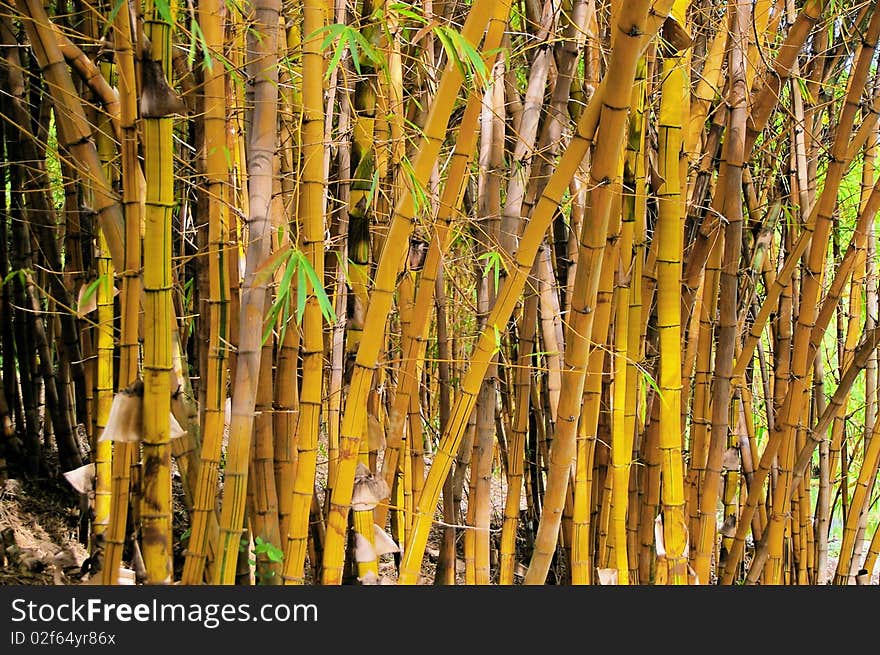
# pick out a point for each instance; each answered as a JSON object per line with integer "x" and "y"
{"x": 105, "y": 341}
{"x": 626, "y": 334}
{"x": 584, "y": 499}
{"x": 104, "y": 389}
{"x": 516, "y": 447}
{"x": 155, "y": 508}
{"x": 635, "y": 210}
{"x": 312, "y": 221}
{"x": 649, "y": 491}
{"x": 701, "y": 403}
{"x": 871, "y": 556}
{"x": 414, "y": 341}
{"x": 132, "y": 203}
{"x": 216, "y": 189}
{"x": 859, "y": 505}
{"x": 622, "y": 438}
{"x": 262, "y": 493}
{"x": 669, "y": 249}
{"x": 287, "y": 365}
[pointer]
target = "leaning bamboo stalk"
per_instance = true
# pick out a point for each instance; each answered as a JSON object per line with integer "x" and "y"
{"x": 859, "y": 505}
{"x": 871, "y": 556}
{"x": 734, "y": 160}
{"x": 390, "y": 261}
{"x": 260, "y": 156}
{"x": 415, "y": 341}
{"x": 760, "y": 114}
{"x": 869, "y": 157}
{"x": 836, "y": 404}
{"x": 95, "y": 79}
{"x": 705, "y": 92}
{"x": 507, "y": 297}
{"x": 74, "y": 131}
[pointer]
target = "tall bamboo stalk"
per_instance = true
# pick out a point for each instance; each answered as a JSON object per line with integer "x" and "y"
{"x": 155, "y": 509}
{"x": 669, "y": 247}
{"x": 312, "y": 222}
{"x": 261, "y": 148}
{"x": 133, "y": 210}
{"x": 211, "y": 16}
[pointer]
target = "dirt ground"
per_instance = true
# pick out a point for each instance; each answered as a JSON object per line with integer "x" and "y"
{"x": 40, "y": 522}
{"x": 42, "y": 519}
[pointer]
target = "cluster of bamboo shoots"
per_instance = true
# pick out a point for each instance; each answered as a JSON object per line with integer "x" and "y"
{"x": 548, "y": 285}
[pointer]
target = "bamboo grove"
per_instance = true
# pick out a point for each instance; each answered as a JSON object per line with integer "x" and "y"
{"x": 451, "y": 292}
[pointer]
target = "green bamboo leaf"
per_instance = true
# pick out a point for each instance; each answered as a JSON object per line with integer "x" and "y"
{"x": 89, "y": 290}
{"x": 805, "y": 91}
{"x": 494, "y": 264}
{"x": 463, "y": 54}
{"x": 285, "y": 319}
{"x": 20, "y": 273}
{"x": 271, "y": 315}
{"x": 419, "y": 194}
{"x": 286, "y": 278}
{"x": 198, "y": 39}
{"x": 407, "y": 11}
{"x": 111, "y": 17}
{"x": 358, "y": 41}
{"x": 497, "y": 333}
{"x": 321, "y": 295}
{"x": 163, "y": 8}
{"x": 651, "y": 381}
{"x": 374, "y": 187}
{"x": 267, "y": 269}
{"x": 300, "y": 293}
